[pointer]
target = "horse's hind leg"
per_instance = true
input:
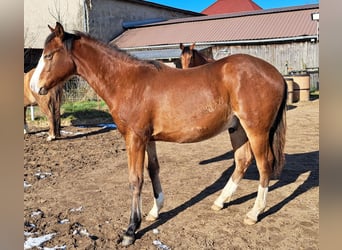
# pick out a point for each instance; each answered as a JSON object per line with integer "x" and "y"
{"x": 243, "y": 157}
{"x": 264, "y": 161}
{"x": 153, "y": 170}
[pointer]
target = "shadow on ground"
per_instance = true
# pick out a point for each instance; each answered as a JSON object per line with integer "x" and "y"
{"x": 296, "y": 165}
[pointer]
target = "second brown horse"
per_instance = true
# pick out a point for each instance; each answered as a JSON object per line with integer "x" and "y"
{"x": 49, "y": 105}
{"x": 190, "y": 57}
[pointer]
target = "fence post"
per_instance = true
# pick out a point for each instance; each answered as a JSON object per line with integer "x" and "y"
{"x": 32, "y": 113}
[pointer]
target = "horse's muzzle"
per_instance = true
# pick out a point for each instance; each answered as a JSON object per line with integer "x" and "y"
{"x": 42, "y": 91}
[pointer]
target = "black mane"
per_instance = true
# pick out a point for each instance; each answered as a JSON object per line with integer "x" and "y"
{"x": 69, "y": 38}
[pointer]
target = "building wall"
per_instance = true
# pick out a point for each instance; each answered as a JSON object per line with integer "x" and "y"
{"x": 286, "y": 56}
{"x": 39, "y": 14}
{"x": 107, "y": 16}
{"x": 103, "y": 19}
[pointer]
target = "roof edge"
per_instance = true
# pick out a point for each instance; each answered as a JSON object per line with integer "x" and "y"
{"x": 232, "y": 15}
{"x": 227, "y": 42}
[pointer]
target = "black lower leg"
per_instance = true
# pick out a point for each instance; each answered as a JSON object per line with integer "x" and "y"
{"x": 134, "y": 225}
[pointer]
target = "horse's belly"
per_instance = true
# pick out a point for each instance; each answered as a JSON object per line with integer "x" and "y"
{"x": 191, "y": 130}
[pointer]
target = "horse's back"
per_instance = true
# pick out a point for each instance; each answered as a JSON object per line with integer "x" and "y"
{"x": 248, "y": 64}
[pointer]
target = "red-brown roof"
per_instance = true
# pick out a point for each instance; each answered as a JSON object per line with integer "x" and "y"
{"x": 256, "y": 26}
{"x": 230, "y": 6}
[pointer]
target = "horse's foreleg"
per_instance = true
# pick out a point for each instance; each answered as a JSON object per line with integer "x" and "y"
{"x": 51, "y": 135}
{"x": 136, "y": 154}
{"x": 45, "y": 107}
{"x": 153, "y": 170}
{"x": 57, "y": 101}
{"x": 50, "y": 116}
{"x": 25, "y": 123}
{"x": 264, "y": 160}
{"x": 56, "y": 119}
{"x": 243, "y": 157}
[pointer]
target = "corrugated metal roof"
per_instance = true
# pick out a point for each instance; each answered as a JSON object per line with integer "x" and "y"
{"x": 282, "y": 23}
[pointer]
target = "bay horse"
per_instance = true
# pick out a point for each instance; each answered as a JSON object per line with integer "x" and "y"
{"x": 152, "y": 102}
{"x": 49, "y": 104}
{"x": 190, "y": 57}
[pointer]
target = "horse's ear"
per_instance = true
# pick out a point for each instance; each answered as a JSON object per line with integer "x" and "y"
{"x": 181, "y": 46}
{"x": 59, "y": 30}
{"x": 51, "y": 29}
{"x": 192, "y": 46}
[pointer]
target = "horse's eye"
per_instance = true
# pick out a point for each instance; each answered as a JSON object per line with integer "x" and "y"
{"x": 48, "y": 56}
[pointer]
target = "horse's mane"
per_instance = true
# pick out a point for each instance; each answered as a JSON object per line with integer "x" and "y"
{"x": 69, "y": 38}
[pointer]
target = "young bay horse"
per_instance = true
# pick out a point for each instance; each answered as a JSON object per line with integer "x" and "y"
{"x": 49, "y": 104}
{"x": 152, "y": 102}
{"x": 191, "y": 57}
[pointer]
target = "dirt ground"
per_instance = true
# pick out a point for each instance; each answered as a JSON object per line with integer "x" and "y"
{"x": 77, "y": 188}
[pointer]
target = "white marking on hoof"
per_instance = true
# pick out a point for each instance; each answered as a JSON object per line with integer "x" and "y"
{"x": 150, "y": 217}
{"x": 50, "y": 138}
{"x": 258, "y": 208}
{"x": 127, "y": 240}
{"x": 216, "y": 207}
{"x": 249, "y": 221}
{"x": 157, "y": 206}
{"x": 226, "y": 194}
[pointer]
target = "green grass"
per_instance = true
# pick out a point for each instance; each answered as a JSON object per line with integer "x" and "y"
{"x": 75, "y": 113}
{"x": 314, "y": 95}
{"x": 83, "y": 106}
{"x": 85, "y": 112}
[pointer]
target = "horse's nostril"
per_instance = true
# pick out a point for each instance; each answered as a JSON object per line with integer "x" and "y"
{"x": 42, "y": 91}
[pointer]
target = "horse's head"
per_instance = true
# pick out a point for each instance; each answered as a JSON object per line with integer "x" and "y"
{"x": 186, "y": 55}
{"x": 56, "y": 64}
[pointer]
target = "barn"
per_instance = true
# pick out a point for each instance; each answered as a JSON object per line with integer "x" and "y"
{"x": 286, "y": 37}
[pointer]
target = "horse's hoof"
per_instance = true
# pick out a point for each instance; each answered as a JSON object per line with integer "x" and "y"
{"x": 150, "y": 217}
{"x": 249, "y": 221}
{"x": 127, "y": 240}
{"x": 50, "y": 138}
{"x": 216, "y": 208}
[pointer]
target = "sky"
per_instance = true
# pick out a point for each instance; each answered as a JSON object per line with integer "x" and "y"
{"x": 199, "y": 5}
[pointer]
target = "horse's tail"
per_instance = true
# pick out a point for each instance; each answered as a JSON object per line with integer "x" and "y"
{"x": 277, "y": 136}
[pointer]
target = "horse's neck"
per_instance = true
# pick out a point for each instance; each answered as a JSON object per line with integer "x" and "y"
{"x": 199, "y": 59}
{"x": 100, "y": 67}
